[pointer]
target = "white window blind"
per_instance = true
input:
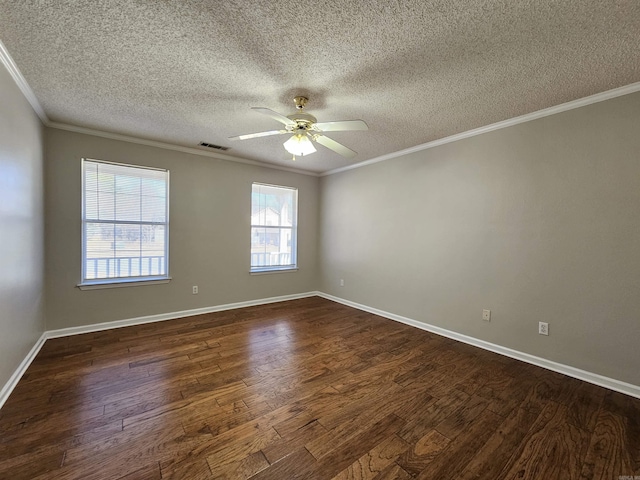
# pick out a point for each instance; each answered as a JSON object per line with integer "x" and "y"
{"x": 125, "y": 222}
{"x": 273, "y": 227}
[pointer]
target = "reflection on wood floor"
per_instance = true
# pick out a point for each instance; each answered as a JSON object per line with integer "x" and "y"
{"x": 305, "y": 389}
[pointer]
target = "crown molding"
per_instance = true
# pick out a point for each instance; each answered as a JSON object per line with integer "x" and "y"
{"x": 563, "y": 107}
{"x": 14, "y": 71}
{"x": 21, "y": 82}
{"x": 171, "y": 146}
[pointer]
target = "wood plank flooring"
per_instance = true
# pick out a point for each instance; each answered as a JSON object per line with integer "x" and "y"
{"x": 305, "y": 389}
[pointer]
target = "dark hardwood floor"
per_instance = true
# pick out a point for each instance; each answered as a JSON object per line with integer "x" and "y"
{"x": 306, "y": 389}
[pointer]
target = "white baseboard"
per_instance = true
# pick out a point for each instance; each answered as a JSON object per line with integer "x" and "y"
{"x": 606, "y": 382}
{"x": 594, "y": 378}
{"x": 64, "y": 332}
{"x": 17, "y": 375}
{"x": 96, "y": 327}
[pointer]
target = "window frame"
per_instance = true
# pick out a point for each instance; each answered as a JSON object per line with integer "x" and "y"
{"x": 293, "y": 267}
{"x": 112, "y": 282}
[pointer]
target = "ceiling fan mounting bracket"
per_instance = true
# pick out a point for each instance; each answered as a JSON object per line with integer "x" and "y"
{"x": 300, "y": 102}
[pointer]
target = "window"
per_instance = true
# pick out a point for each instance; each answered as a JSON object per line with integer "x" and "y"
{"x": 125, "y": 223}
{"x": 274, "y": 221}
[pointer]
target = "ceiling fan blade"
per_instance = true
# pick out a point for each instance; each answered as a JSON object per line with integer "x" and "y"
{"x": 335, "y": 146}
{"x": 275, "y": 115}
{"x": 256, "y": 135}
{"x": 342, "y": 126}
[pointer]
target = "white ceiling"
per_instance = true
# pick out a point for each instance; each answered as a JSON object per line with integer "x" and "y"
{"x": 183, "y": 72}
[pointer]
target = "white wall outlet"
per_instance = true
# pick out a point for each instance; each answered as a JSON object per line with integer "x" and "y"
{"x": 543, "y": 328}
{"x": 194, "y": 289}
{"x": 486, "y": 315}
{"x": 342, "y": 282}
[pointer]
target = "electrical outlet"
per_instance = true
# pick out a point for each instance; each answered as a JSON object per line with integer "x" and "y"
{"x": 342, "y": 282}
{"x": 195, "y": 289}
{"x": 486, "y": 315}
{"x": 543, "y": 328}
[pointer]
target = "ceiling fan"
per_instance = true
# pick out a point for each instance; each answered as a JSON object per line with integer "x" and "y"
{"x": 305, "y": 129}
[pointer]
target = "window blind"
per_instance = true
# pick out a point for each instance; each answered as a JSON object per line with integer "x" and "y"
{"x": 273, "y": 227}
{"x": 125, "y": 221}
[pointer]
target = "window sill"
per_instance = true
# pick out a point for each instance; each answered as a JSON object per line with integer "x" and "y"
{"x": 266, "y": 271}
{"x": 106, "y": 283}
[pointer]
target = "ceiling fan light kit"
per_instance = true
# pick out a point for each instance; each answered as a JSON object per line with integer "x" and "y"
{"x": 299, "y": 145}
{"x": 305, "y": 129}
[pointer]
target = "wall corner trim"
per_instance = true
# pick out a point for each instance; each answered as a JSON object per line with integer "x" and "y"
{"x": 589, "y": 377}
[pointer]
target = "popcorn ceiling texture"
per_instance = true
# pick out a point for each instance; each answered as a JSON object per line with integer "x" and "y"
{"x": 188, "y": 71}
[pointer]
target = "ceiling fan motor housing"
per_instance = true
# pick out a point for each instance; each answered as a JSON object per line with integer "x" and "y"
{"x": 304, "y": 121}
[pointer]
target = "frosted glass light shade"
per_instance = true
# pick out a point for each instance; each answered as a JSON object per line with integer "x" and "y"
{"x": 299, "y": 145}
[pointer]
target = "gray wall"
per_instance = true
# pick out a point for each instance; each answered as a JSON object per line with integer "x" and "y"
{"x": 209, "y": 241}
{"x": 21, "y": 227}
{"x": 537, "y": 222}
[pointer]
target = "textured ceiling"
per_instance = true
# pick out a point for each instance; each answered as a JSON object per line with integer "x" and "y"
{"x": 183, "y": 72}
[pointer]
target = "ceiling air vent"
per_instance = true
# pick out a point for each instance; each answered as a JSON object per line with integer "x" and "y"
{"x": 211, "y": 145}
